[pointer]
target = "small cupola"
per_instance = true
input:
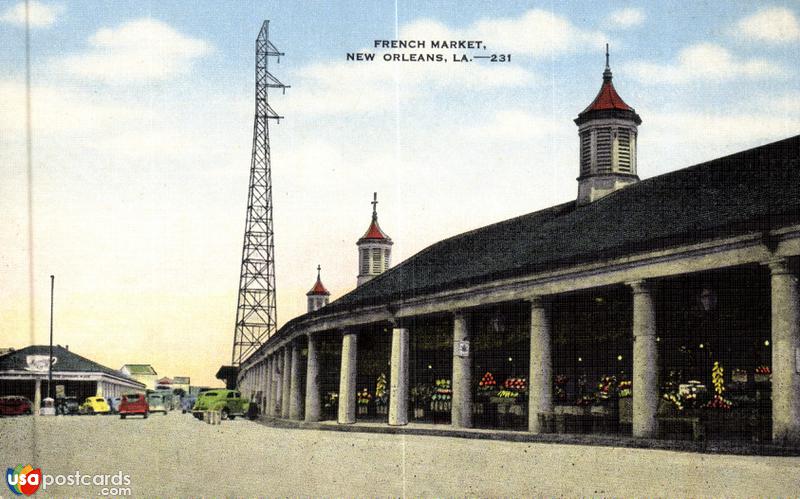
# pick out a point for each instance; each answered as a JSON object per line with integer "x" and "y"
{"x": 374, "y": 249}
{"x": 318, "y": 296}
{"x": 607, "y": 129}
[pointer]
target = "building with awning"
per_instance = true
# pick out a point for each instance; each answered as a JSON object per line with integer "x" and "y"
{"x": 25, "y": 372}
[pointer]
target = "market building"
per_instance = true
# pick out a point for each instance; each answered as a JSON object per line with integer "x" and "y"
{"x": 25, "y": 372}
{"x": 661, "y": 308}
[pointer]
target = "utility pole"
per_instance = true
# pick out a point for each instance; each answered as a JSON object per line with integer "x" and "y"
{"x": 50, "y": 360}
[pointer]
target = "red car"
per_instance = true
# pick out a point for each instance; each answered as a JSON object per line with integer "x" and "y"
{"x": 134, "y": 403}
{"x": 14, "y": 405}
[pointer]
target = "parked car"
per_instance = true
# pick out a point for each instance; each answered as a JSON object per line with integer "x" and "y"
{"x": 229, "y": 402}
{"x": 113, "y": 404}
{"x": 15, "y": 405}
{"x": 170, "y": 400}
{"x": 67, "y": 405}
{"x": 157, "y": 403}
{"x": 95, "y": 405}
{"x": 187, "y": 402}
{"x": 133, "y": 404}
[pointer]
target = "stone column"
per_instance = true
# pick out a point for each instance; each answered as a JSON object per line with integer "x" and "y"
{"x": 262, "y": 381}
{"x": 541, "y": 365}
{"x": 313, "y": 407}
{"x": 461, "y": 407}
{"x": 277, "y": 401}
{"x": 37, "y": 397}
{"x": 347, "y": 379}
{"x": 785, "y": 354}
{"x": 268, "y": 390}
{"x": 287, "y": 380}
{"x": 398, "y": 385}
{"x": 296, "y": 394}
{"x": 645, "y": 362}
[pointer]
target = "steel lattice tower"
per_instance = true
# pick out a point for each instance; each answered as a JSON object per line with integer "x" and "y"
{"x": 256, "y": 314}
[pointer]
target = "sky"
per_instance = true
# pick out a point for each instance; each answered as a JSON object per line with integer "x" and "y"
{"x": 141, "y": 131}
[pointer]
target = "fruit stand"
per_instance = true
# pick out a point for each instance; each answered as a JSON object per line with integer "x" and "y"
{"x": 738, "y": 406}
{"x": 381, "y": 396}
{"x": 420, "y": 407}
{"x": 330, "y": 405}
{"x": 363, "y": 398}
{"x": 441, "y": 400}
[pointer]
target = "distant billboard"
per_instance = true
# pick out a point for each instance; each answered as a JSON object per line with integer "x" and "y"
{"x": 38, "y": 363}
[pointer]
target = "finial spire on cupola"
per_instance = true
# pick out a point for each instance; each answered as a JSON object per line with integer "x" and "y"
{"x": 374, "y": 231}
{"x": 608, "y": 131}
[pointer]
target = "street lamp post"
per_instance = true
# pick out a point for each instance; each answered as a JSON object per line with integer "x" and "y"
{"x": 50, "y": 360}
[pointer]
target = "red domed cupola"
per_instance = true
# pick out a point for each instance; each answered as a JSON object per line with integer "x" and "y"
{"x": 374, "y": 249}
{"x": 318, "y": 296}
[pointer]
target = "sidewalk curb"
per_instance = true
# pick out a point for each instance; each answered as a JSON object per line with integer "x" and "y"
{"x": 730, "y": 448}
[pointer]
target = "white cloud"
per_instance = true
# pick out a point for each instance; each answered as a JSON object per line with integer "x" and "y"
{"x": 672, "y": 140}
{"x": 625, "y": 18}
{"x": 705, "y": 62}
{"x": 39, "y": 14}
{"x": 537, "y": 33}
{"x": 774, "y": 25}
{"x": 143, "y": 50}
{"x": 342, "y": 87}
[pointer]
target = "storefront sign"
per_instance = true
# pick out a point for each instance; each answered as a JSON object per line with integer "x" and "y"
{"x": 60, "y": 392}
{"x": 461, "y": 349}
{"x": 38, "y": 363}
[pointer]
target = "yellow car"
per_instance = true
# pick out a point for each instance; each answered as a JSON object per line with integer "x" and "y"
{"x": 95, "y": 405}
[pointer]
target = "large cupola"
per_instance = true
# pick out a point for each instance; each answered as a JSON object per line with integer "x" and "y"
{"x": 607, "y": 131}
{"x": 374, "y": 249}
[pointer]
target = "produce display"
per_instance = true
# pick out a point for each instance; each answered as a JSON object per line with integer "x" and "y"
{"x": 512, "y": 387}
{"x": 442, "y": 395}
{"x": 363, "y": 397}
{"x": 487, "y": 383}
{"x": 560, "y": 392}
{"x": 515, "y": 384}
{"x": 442, "y": 390}
{"x": 331, "y": 399}
{"x": 718, "y": 380}
{"x": 381, "y": 394}
{"x": 606, "y": 387}
{"x": 763, "y": 374}
{"x": 676, "y": 400}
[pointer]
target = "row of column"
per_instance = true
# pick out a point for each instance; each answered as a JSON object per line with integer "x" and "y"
{"x": 283, "y": 368}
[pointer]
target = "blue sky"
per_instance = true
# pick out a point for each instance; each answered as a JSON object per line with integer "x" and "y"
{"x": 142, "y": 122}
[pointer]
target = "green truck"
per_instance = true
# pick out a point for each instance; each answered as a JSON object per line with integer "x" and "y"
{"x": 229, "y": 402}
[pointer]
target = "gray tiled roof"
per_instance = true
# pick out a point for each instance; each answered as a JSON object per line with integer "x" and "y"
{"x": 753, "y": 190}
{"x": 67, "y": 361}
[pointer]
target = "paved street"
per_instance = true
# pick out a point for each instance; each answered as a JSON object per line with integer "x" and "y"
{"x": 176, "y": 455}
